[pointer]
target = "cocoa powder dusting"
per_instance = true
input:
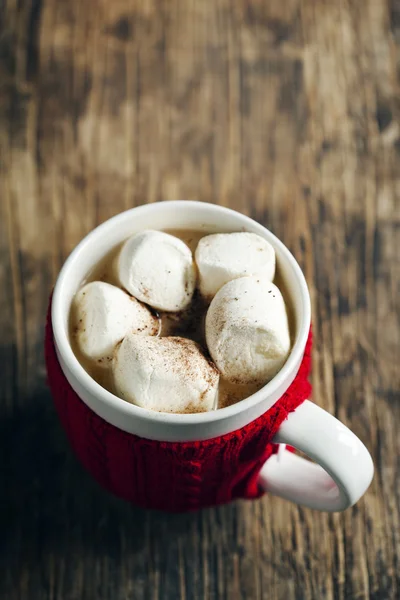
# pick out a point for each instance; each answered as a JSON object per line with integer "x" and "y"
{"x": 188, "y": 326}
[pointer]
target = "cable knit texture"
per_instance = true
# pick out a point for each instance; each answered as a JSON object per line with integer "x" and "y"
{"x": 172, "y": 476}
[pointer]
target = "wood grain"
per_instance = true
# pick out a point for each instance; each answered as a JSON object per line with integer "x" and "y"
{"x": 288, "y": 111}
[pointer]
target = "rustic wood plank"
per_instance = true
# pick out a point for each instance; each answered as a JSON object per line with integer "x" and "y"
{"x": 287, "y": 111}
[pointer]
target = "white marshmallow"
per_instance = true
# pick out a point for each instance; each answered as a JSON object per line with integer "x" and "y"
{"x": 104, "y": 314}
{"x": 223, "y": 257}
{"x": 158, "y": 269}
{"x": 164, "y": 374}
{"x": 247, "y": 330}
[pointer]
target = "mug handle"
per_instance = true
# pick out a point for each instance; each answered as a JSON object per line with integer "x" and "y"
{"x": 344, "y": 466}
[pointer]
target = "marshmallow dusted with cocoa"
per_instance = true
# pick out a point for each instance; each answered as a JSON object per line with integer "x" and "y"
{"x": 222, "y": 257}
{"x": 158, "y": 269}
{"x": 104, "y": 314}
{"x": 169, "y": 374}
{"x": 247, "y": 330}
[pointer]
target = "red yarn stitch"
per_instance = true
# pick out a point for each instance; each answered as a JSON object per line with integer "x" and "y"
{"x": 172, "y": 476}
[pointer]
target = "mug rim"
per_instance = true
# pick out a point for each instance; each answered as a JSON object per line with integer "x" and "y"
{"x": 113, "y": 402}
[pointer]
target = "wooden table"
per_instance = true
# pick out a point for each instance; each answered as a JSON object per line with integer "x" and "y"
{"x": 285, "y": 110}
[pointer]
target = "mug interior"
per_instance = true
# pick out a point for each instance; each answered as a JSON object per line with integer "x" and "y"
{"x": 187, "y": 215}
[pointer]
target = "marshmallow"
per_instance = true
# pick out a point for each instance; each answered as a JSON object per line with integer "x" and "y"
{"x": 223, "y": 257}
{"x": 247, "y": 330}
{"x": 158, "y": 269}
{"x": 104, "y": 314}
{"x": 167, "y": 374}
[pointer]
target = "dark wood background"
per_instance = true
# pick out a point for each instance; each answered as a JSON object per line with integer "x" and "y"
{"x": 286, "y": 110}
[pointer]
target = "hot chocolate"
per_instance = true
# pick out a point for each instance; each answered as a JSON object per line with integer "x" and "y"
{"x": 133, "y": 280}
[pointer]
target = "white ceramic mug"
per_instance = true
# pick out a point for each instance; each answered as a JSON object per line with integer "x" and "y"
{"x": 342, "y": 469}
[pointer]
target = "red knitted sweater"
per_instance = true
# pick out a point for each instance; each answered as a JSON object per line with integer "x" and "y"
{"x": 173, "y": 476}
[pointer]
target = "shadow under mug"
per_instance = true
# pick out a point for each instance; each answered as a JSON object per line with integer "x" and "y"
{"x": 342, "y": 469}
